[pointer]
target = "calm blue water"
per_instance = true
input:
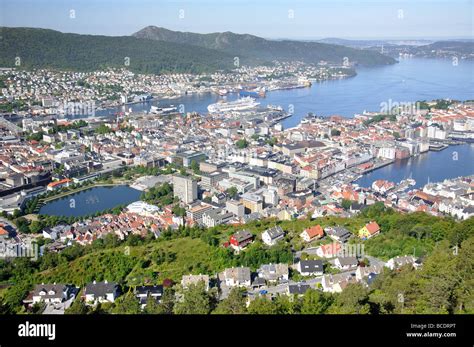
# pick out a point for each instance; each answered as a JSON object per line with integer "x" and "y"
{"x": 452, "y": 162}
{"x": 408, "y": 81}
{"x": 90, "y": 201}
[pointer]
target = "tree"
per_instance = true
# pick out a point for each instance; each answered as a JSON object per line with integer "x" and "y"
{"x": 232, "y": 192}
{"x": 179, "y": 211}
{"x": 195, "y": 300}
{"x": 195, "y": 167}
{"x": 272, "y": 141}
{"x": 15, "y": 294}
{"x": 78, "y": 307}
{"x": 346, "y": 204}
{"x": 36, "y": 226}
{"x": 464, "y": 269}
{"x": 262, "y": 305}
{"x": 233, "y": 304}
{"x": 167, "y": 301}
{"x": 127, "y": 304}
{"x": 241, "y": 144}
{"x": 352, "y": 300}
{"x": 103, "y": 129}
{"x": 315, "y": 302}
{"x": 152, "y": 306}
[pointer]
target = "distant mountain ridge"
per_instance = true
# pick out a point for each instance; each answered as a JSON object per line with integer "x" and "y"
{"x": 253, "y": 49}
{"x": 466, "y": 47}
{"x": 44, "y": 48}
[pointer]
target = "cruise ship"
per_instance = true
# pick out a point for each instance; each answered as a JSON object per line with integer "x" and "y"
{"x": 237, "y": 105}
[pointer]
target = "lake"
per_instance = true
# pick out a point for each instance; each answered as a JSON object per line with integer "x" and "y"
{"x": 90, "y": 201}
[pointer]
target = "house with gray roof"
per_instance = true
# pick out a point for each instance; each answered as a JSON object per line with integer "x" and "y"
{"x": 346, "y": 263}
{"x": 52, "y": 293}
{"x": 273, "y": 272}
{"x": 105, "y": 291}
{"x": 310, "y": 267}
{"x": 271, "y": 236}
{"x": 236, "y": 277}
{"x": 298, "y": 289}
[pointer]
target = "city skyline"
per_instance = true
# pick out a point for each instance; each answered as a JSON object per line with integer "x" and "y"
{"x": 302, "y": 19}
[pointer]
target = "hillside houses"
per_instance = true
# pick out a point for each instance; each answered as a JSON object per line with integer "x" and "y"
{"x": 271, "y": 236}
{"x": 310, "y": 267}
{"x": 100, "y": 292}
{"x": 274, "y": 272}
{"x": 241, "y": 239}
{"x": 313, "y": 233}
{"x": 147, "y": 292}
{"x": 398, "y": 262}
{"x": 369, "y": 230}
{"x": 338, "y": 234}
{"x": 236, "y": 277}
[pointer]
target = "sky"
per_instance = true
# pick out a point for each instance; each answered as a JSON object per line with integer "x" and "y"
{"x": 295, "y": 19}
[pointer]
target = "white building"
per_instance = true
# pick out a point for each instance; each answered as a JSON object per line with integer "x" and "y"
{"x": 185, "y": 188}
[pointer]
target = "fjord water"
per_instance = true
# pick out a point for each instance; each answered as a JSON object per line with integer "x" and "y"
{"x": 409, "y": 80}
{"x": 428, "y": 167}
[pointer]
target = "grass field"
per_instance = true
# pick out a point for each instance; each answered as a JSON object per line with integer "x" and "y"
{"x": 135, "y": 265}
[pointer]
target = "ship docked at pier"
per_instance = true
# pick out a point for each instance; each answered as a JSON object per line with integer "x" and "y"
{"x": 241, "y": 104}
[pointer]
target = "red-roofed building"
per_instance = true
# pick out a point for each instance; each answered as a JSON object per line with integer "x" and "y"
{"x": 329, "y": 250}
{"x": 369, "y": 230}
{"x": 312, "y": 233}
{"x": 3, "y": 232}
{"x": 58, "y": 184}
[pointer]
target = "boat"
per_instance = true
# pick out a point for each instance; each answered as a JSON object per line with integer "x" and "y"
{"x": 274, "y": 107}
{"x": 162, "y": 110}
{"x": 241, "y": 104}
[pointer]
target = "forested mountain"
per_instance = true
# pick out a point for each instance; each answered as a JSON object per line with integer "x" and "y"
{"x": 251, "y": 49}
{"x": 43, "y": 48}
{"x": 455, "y": 47}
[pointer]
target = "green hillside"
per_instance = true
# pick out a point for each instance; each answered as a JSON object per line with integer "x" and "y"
{"x": 42, "y": 48}
{"x": 252, "y": 49}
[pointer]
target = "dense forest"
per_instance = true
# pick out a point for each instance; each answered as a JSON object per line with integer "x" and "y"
{"x": 43, "y": 48}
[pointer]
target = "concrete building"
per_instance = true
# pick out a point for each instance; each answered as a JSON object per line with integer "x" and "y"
{"x": 185, "y": 188}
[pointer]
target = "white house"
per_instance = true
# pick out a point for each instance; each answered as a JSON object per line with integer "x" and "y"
{"x": 398, "y": 262}
{"x": 271, "y": 236}
{"x": 96, "y": 292}
{"x": 346, "y": 263}
{"x": 52, "y": 293}
{"x": 310, "y": 267}
{"x": 236, "y": 277}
